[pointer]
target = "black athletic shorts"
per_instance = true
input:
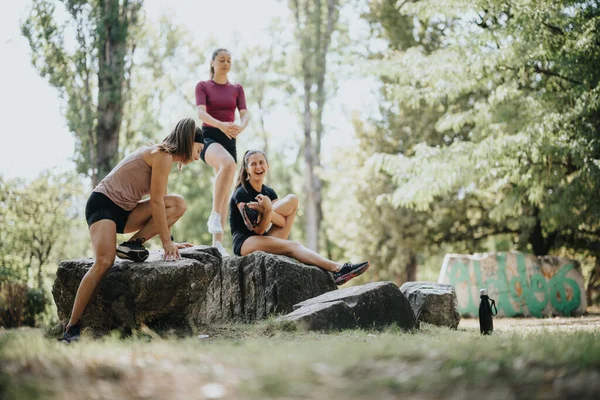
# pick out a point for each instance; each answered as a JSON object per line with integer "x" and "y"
{"x": 238, "y": 241}
{"x": 215, "y": 135}
{"x": 100, "y": 207}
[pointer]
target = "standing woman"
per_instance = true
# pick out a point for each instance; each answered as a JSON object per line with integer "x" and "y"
{"x": 261, "y": 222}
{"x": 216, "y": 101}
{"x": 116, "y": 206}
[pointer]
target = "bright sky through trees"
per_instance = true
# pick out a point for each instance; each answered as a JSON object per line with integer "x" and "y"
{"x": 34, "y": 134}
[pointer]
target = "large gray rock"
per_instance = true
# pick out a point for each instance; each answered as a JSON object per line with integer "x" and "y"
{"x": 433, "y": 303}
{"x": 200, "y": 288}
{"x": 374, "y": 305}
{"x": 255, "y": 286}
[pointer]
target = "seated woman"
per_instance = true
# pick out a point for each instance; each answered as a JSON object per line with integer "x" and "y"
{"x": 254, "y": 207}
{"x": 115, "y": 206}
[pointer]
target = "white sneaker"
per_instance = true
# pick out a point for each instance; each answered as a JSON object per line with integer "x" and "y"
{"x": 221, "y": 249}
{"x": 214, "y": 223}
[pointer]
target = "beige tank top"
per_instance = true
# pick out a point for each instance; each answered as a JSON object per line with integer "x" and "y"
{"x": 128, "y": 182}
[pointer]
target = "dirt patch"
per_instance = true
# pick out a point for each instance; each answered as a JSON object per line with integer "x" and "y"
{"x": 559, "y": 324}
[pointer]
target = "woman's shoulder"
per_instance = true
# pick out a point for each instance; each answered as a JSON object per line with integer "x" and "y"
{"x": 240, "y": 193}
{"x": 153, "y": 152}
{"x": 238, "y": 190}
{"x": 268, "y": 190}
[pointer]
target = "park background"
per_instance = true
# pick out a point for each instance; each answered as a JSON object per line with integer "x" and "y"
{"x": 421, "y": 127}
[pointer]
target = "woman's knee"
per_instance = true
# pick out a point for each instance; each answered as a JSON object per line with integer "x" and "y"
{"x": 175, "y": 204}
{"x": 228, "y": 166}
{"x": 179, "y": 204}
{"x": 292, "y": 199}
{"x": 103, "y": 263}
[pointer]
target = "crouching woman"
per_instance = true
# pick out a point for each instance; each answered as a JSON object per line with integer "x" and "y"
{"x": 116, "y": 206}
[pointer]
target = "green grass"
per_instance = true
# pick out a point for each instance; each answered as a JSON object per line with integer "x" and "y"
{"x": 268, "y": 360}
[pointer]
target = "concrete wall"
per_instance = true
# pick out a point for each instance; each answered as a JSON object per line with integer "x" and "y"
{"x": 522, "y": 284}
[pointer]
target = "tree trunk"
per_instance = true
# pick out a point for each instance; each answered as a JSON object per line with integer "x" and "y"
{"x": 593, "y": 288}
{"x": 314, "y": 34}
{"x": 312, "y": 183}
{"x": 539, "y": 244}
{"x": 411, "y": 267}
{"x": 112, "y": 49}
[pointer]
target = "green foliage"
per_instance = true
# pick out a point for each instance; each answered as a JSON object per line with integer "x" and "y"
{"x": 261, "y": 69}
{"x": 91, "y": 77}
{"x": 165, "y": 69}
{"x": 511, "y": 92}
{"x": 395, "y": 240}
{"x": 13, "y": 298}
{"x": 19, "y": 305}
{"x": 194, "y": 183}
{"x": 36, "y": 216}
{"x": 35, "y": 304}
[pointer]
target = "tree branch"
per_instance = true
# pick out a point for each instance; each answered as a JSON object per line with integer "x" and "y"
{"x": 554, "y": 29}
{"x": 551, "y": 73}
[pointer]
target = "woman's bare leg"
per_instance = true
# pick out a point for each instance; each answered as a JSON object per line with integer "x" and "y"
{"x": 140, "y": 219}
{"x": 289, "y": 248}
{"x": 104, "y": 242}
{"x": 224, "y": 165}
{"x": 286, "y": 208}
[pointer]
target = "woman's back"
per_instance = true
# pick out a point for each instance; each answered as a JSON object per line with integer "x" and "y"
{"x": 129, "y": 181}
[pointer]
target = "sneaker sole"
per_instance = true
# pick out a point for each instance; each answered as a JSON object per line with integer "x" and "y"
{"x": 345, "y": 278}
{"x": 126, "y": 256}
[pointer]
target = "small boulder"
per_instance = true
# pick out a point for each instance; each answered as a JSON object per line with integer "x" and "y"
{"x": 433, "y": 303}
{"x": 374, "y": 305}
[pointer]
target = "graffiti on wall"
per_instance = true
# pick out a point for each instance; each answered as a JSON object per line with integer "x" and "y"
{"x": 521, "y": 284}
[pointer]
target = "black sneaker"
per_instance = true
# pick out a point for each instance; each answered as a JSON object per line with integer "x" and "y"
{"x": 133, "y": 250}
{"x": 249, "y": 216}
{"x": 350, "y": 271}
{"x": 71, "y": 334}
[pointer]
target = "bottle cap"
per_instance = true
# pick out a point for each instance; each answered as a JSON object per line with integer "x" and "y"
{"x": 483, "y": 292}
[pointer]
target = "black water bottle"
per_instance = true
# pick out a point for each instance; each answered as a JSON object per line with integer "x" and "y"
{"x": 486, "y": 324}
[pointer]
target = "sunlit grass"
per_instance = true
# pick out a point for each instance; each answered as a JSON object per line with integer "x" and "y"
{"x": 267, "y": 360}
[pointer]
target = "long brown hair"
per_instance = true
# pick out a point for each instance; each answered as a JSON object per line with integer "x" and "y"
{"x": 242, "y": 177}
{"x": 180, "y": 141}
{"x": 214, "y": 55}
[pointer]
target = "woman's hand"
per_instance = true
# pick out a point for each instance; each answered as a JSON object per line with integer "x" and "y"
{"x": 265, "y": 202}
{"x": 183, "y": 245}
{"x": 237, "y": 129}
{"x": 255, "y": 206}
{"x": 228, "y": 128}
{"x": 171, "y": 251}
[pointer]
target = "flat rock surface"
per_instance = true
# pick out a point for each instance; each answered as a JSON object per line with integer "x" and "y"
{"x": 373, "y": 305}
